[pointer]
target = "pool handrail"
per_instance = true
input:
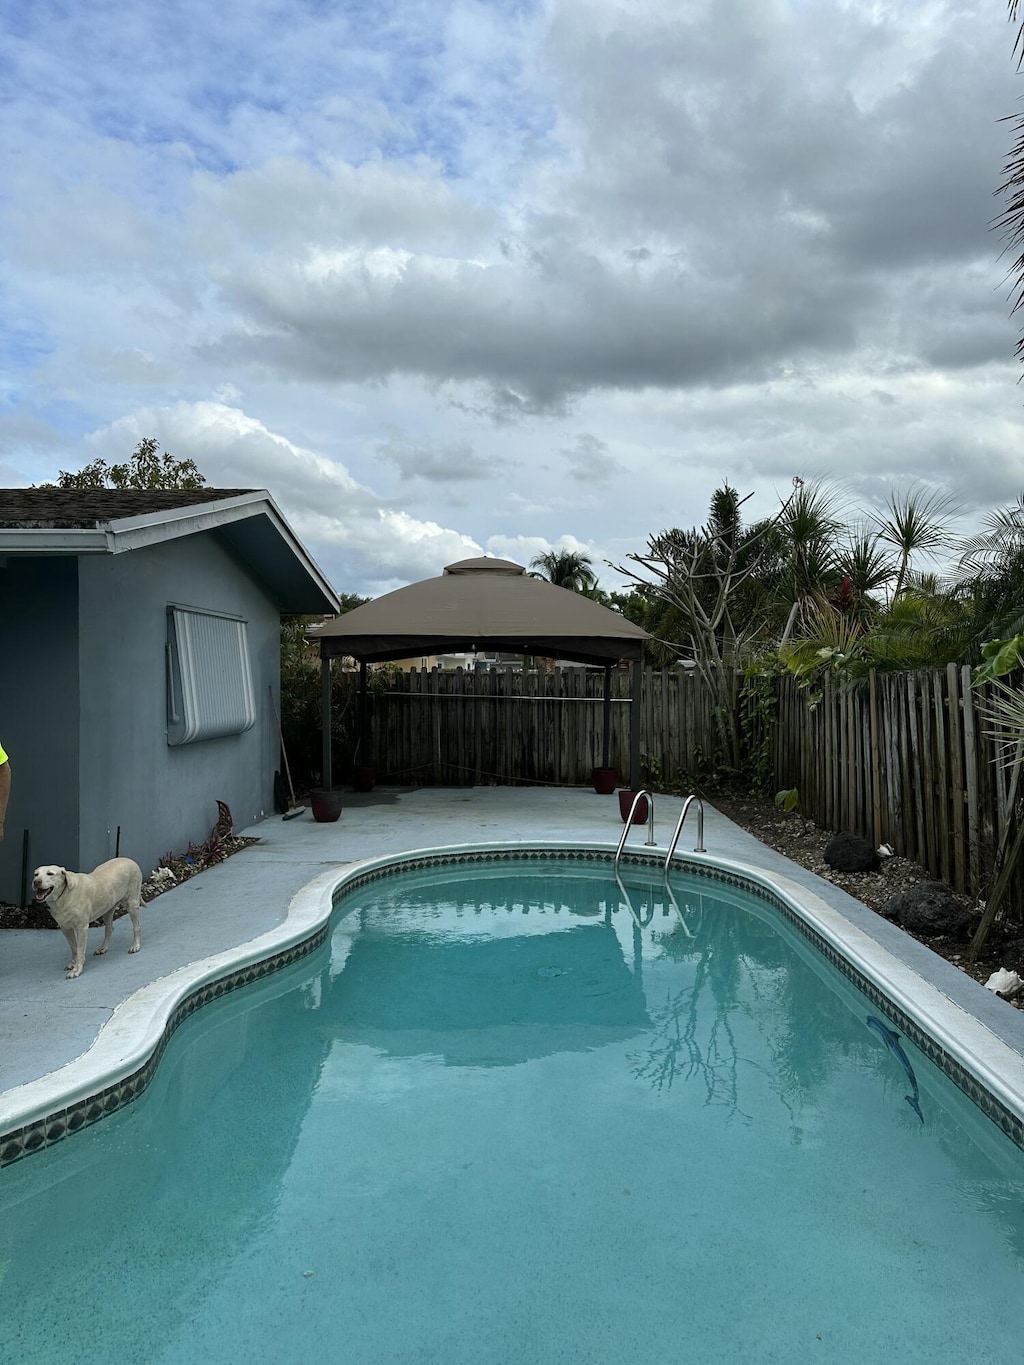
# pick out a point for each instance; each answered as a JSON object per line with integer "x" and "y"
{"x": 679, "y": 828}
{"x": 627, "y": 900}
{"x": 675, "y": 906}
{"x": 651, "y": 841}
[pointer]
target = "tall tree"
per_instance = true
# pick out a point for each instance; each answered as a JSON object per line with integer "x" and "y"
{"x": 704, "y": 579}
{"x": 808, "y": 529}
{"x": 146, "y": 467}
{"x": 917, "y": 523}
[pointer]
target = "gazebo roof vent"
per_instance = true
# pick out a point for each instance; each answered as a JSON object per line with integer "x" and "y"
{"x": 485, "y": 565}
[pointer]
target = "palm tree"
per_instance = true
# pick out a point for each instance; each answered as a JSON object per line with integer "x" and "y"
{"x": 809, "y": 527}
{"x": 566, "y": 569}
{"x": 918, "y": 522}
{"x": 707, "y": 588}
{"x": 991, "y": 572}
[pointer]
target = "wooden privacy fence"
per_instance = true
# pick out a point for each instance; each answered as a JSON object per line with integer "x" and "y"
{"x": 906, "y": 759}
{"x": 434, "y": 726}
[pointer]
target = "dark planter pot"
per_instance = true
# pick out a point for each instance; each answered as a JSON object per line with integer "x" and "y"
{"x": 625, "y": 801}
{"x": 605, "y": 780}
{"x": 326, "y": 805}
{"x": 363, "y": 778}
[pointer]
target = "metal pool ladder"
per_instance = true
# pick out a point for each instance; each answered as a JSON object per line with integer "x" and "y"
{"x": 679, "y": 828}
{"x": 629, "y": 820}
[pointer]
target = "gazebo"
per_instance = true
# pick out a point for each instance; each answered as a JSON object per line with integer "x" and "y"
{"x": 491, "y": 604}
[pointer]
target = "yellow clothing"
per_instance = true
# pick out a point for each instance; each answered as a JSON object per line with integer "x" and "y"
{"x": 3, "y": 756}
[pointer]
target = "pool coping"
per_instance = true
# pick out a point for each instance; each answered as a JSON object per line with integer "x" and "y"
{"x": 121, "y": 1062}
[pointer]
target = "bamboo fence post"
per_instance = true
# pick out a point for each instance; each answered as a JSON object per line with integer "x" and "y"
{"x": 971, "y": 756}
{"x": 850, "y": 771}
{"x": 860, "y": 766}
{"x": 886, "y": 752}
{"x": 917, "y": 793}
{"x": 941, "y": 778}
{"x": 829, "y": 756}
{"x": 905, "y": 801}
{"x": 812, "y": 727}
{"x": 876, "y": 760}
{"x": 956, "y": 778}
{"x": 834, "y": 755}
{"x": 930, "y": 858}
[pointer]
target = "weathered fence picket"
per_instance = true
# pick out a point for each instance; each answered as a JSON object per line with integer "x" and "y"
{"x": 510, "y": 725}
{"x": 907, "y": 759}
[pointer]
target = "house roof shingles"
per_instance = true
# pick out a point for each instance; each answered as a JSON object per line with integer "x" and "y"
{"x": 72, "y": 508}
{"x": 40, "y": 521}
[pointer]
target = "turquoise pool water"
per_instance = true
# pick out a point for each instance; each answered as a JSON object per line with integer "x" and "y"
{"x": 496, "y": 1118}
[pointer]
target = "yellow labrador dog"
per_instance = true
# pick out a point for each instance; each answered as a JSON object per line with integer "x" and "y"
{"x": 75, "y": 899}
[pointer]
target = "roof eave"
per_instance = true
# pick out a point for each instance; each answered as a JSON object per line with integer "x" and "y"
{"x": 588, "y": 650}
{"x": 123, "y": 534}
{"x": 131, "y": 533}
{"x": 54, "y": 540}
{"x": 150, "y": 528}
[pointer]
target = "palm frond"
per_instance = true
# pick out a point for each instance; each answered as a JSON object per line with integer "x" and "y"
{"x": 1000, "y": 540}
{"x": 1003, "y": 710}
{"x": 1011, "y": 221}
{"x": 866, "y": 562}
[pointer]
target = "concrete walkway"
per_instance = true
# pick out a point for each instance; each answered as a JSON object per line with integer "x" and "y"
{"x": 46, "y": 1021}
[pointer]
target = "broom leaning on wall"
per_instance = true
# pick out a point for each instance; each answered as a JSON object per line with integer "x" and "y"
{"x": 293, "y": 808}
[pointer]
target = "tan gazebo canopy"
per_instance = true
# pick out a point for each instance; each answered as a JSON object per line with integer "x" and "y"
{"x": 484, "y": 604}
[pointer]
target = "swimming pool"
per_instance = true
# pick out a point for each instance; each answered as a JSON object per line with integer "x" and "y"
{"x": 512, "y": 1111}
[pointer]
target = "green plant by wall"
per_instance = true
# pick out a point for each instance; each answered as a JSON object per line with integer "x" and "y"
{"x": 706, "y": 773}
{"x": 759, "y": 711}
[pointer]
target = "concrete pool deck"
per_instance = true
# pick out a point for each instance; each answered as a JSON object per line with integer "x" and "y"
{"x": 46, "y": 1022}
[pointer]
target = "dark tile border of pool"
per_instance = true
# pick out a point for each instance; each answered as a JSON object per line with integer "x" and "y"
{"x": 44, "y": 1132}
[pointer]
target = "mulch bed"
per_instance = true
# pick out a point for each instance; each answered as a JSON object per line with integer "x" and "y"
{"x": 804, "y": 843}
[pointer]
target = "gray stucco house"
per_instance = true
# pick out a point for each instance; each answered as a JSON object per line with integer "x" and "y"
{"x": 139, "y": 646}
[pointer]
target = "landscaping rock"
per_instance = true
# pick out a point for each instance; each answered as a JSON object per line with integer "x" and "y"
{"x": 848, "y": 852}
{"x": 929, "y": 908}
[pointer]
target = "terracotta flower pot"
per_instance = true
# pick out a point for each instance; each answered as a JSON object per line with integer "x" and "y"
{"x": 325, "y": 804}
{"x": 626, "y": 800}
{"x": 605, "y": 780}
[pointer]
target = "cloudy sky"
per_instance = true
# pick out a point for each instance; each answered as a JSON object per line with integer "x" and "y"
{"x": 452, "y": 276}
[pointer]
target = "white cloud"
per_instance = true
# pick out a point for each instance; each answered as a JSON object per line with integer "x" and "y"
{"x": 524, "y": 549}
{"x": 451, "y": 275}
{"x": 346, "y": 525}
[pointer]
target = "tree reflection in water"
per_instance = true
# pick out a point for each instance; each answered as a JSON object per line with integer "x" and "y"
{"x": 743, "y": 973}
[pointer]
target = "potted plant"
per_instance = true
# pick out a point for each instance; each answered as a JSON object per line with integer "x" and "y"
{"x": 605, "y": 780}
{"x": 325, "y": 803}
{"x": 626, "y": 795}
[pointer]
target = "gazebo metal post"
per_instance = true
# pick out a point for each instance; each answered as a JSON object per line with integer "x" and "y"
{"x": 634, "y": 725}
{"x": 606, "y": 747}
{"x": 365, "y": 756}
{"x": 325, "y": 716}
